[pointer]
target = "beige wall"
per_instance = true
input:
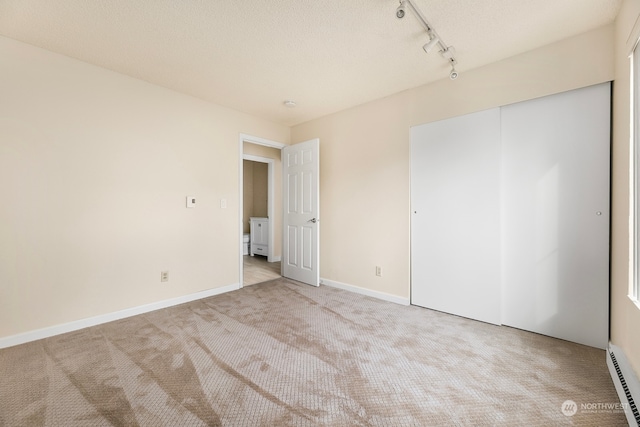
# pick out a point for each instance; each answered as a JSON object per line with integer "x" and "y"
{"x": 364, "y": 153}
{"x": 247, "y": 194}
{"x": 260, "y": 189}
{"x": 275, "y": 154}
{"x": 255, "y": 193}
{"x": 94, "y": 171}
{"x": 625, "y": 315}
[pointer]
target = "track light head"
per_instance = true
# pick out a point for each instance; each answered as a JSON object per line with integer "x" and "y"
{"x": 449, "y": 54}
{"x": 401, "y": 10}
{"x": 431, "y": 44}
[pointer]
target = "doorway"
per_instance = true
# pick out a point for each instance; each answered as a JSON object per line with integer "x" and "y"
{"x": 260, "y": 200}
{"x": 300, "y": 199}
{"x": 259, "y": 262}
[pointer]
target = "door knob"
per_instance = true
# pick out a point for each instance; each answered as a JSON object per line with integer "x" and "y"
{"x": 313, "y": 220}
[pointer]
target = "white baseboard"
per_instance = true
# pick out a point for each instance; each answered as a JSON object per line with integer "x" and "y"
{"x": 367, "y": 292}
{"x": 626, "y": 383}
{"x": 12, "y": 340}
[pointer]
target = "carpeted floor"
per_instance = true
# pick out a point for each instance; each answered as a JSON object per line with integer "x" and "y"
{"x": 286, "y": 354}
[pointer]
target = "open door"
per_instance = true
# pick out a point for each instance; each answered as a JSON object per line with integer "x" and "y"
{"x": 301, "y": 199}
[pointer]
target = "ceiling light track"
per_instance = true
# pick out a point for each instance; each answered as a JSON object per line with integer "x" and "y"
{"x": 447, "y": 52}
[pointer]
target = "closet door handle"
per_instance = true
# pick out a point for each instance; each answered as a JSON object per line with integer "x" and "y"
{"x": 313, "y": 220}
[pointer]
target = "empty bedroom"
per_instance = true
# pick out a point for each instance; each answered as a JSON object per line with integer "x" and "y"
{"x": 319, "y": 213}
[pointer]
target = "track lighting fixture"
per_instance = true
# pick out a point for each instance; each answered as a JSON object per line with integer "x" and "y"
{"x": 401, "y": 10}
{"x": 447, "y": 52}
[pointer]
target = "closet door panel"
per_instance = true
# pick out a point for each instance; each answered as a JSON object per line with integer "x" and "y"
{"x": 555, "y": 215}
{"x": 455, "y": 226}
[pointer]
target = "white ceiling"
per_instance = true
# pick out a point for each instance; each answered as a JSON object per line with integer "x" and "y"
{"x": 327, "y": 55}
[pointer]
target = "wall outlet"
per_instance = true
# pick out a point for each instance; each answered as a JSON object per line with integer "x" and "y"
{"x": 378, "y": 271}
{"x": 164, "y": 276}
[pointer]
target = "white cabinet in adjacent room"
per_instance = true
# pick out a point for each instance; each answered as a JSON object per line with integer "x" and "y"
{"x": 259, "y": 236}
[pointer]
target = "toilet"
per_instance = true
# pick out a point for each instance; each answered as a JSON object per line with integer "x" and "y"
{"x": 245, "y": 244}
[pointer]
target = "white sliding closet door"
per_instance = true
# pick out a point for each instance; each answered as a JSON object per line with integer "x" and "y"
{"x": 455, "y": 226}
{"x": 555, "y": 224}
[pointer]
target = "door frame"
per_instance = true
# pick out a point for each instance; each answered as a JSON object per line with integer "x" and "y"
{"x": 271, "y": 190}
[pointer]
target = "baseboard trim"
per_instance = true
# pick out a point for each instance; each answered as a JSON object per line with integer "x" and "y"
{"x": 38, "y": 334}
{"x": 363, "y": 291}
{"x": 626, "y": 383}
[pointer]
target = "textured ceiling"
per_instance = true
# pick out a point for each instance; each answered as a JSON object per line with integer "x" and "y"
{"x": 327, "y": 55}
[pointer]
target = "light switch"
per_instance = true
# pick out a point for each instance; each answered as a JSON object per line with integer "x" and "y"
{"x": 191, "y": 201}
{"x": 223, "y": 203}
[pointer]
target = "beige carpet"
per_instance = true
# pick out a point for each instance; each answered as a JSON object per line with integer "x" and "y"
{"x": 285, "y": 354}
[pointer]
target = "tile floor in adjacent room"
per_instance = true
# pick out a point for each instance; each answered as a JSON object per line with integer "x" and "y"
{"x": 257, "y": 270}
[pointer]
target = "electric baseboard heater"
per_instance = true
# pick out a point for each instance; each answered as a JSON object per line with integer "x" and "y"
{"x": 626, "y": 383}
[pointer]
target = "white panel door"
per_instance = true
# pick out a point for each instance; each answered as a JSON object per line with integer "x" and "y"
{"x": 556, "y": 215}
{"x": 301, "y": 252}
{"x": 455, "y": 226}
